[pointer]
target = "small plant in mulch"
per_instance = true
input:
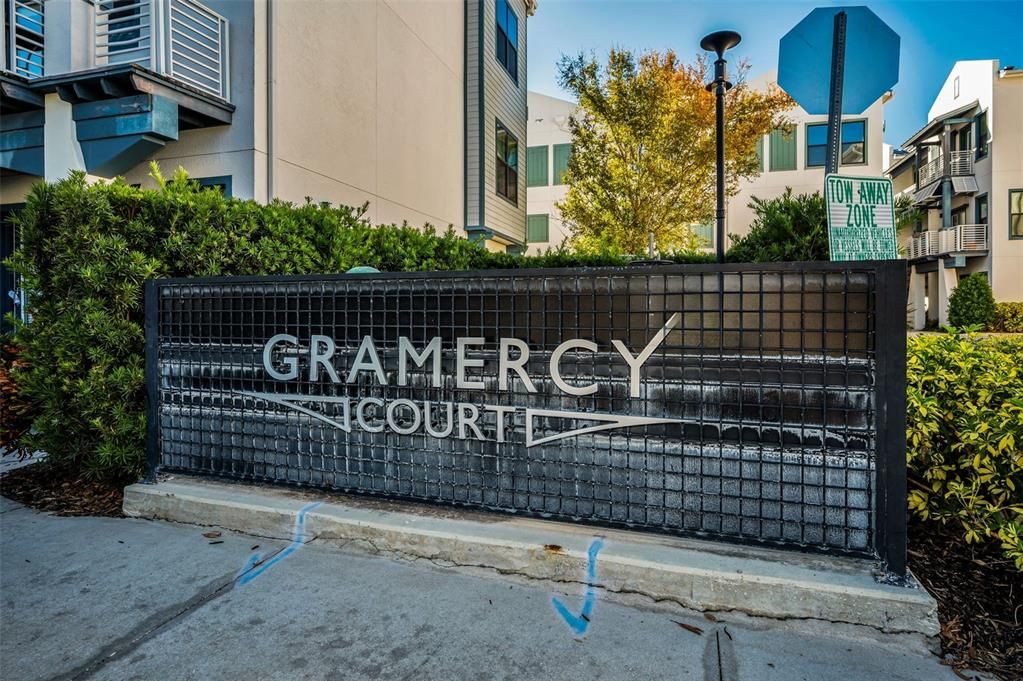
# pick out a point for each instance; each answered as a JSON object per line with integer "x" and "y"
{"x": 980, "y": 599}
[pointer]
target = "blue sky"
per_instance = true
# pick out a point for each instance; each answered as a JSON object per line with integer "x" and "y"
{"x": 935, "y": 34}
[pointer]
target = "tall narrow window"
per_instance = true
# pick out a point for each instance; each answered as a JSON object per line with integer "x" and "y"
{"x": 816, "y": 145}
{"x": 507, "y": 42}
{"x": 980, "y": 210}
{"x": 982, "y": 134}
{"x": 1016, "y": 213}
{"x": 507, "y": 171}
{"x": 854, "y": 143}
{"x": 562, "y": 152}
{"x": 783, "y": 149}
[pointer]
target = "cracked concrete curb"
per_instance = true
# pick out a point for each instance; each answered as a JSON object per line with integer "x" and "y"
{"x": 701, "y": 575}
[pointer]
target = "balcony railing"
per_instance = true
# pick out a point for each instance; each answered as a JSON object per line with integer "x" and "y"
{"x": 183, "y": 39}
{"x": 958, "y": 239}
{"x": 23, "y": 38}
{"x": 960, "y": 163}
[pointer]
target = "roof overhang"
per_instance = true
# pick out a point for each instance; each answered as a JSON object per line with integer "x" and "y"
{"x": 934, "y": 125}
{"x": 901, "y": 164}
{"x": 17, "y": 96}
{"x": 196, "y": 108}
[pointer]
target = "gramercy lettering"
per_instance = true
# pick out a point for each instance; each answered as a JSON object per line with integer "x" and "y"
{"x": 282, "y": 355}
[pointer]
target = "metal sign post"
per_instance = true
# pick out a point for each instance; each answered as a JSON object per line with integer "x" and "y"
{"x": 835, "y": 95}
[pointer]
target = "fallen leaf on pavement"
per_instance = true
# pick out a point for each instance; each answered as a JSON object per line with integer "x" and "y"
{"x": 690, "y": 628}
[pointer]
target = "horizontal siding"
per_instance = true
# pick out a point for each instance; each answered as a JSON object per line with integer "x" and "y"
{"x": 472, "y": 117}
{"x": 504, "y": 101}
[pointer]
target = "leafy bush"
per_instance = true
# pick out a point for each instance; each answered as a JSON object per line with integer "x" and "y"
{"x": 964, "y": 431}
{"x": 1008, "y": 318}
{"x": 87, "y": 251}
{"x": 786, "y": 228}
{"x": 971, "y": 303}
{"x": 16, "y": 411}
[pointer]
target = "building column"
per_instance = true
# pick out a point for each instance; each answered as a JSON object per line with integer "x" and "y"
{"x": 62, "y": 152}
{"x": 948, "y": 279}
{"x": 917, "y": 300}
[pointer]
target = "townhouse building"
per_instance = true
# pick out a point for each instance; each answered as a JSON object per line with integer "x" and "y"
{"x": 791, "y": 156}
{"x": 418, "y": 108}
{"x": 964, "y": 172}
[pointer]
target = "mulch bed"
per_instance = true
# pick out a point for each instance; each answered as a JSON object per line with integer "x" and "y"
{"x": 49, "y": 488}
{"x": 980, "y": 600}
{"x": 979, "y": 591}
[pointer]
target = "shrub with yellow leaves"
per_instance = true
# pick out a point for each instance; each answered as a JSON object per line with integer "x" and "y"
{"x": 964, "y": 402}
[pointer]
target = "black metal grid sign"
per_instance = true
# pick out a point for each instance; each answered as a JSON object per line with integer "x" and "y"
{"x": 736, "y": 402}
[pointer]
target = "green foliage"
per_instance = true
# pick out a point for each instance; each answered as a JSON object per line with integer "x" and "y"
{"x": 643, "y": 154}
{"x": 786, "y": 228}
{"x": 1008, "y": 318}
{"x": 971, "y": 304}
{"x": 87, "y": 251}
{"x": 964, "y": 435}
{"x": 906, "y": 213}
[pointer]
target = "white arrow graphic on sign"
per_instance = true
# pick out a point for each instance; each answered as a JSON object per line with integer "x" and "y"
{"x": 610, "y": 421}
{"x": 290, "y": 400}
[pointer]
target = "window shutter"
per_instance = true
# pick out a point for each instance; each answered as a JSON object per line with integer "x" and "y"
{"x": 561, "y": 154}
{"x": 760, "y": 153}
{"x": 536, "y": 166}
{"x": 537, "y": 229}
{"x": 783, "y": 149}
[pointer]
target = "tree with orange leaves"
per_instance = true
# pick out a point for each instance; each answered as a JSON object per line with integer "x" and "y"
{"x": 643, "y": 157}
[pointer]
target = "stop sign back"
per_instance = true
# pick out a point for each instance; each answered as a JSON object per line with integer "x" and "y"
{"x": 871, "y": 60}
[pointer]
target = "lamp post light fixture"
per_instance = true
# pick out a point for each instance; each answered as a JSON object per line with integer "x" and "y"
{"x": 720, "y": 42}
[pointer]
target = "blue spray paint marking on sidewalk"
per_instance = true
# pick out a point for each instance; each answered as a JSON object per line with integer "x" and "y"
{"x": 581, "y": 622}
{"x": 245, "y": 576}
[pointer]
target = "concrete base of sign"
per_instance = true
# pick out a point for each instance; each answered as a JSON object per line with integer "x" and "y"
{"x": 701, "y": 575}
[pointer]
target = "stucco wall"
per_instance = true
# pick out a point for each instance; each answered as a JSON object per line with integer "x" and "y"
{"x": 548, "y": 125}
{"x": 1006, "y": 173}
{"x": 370, "y": 107}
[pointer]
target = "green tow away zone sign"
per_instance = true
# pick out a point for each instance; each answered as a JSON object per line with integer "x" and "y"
{"x": 861, "y": 218}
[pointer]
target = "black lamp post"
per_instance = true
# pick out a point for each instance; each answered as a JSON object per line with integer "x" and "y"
{"x": 720, "y": 42}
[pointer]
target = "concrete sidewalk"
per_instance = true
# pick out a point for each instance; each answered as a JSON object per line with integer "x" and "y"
{"x": 101, "y": 598}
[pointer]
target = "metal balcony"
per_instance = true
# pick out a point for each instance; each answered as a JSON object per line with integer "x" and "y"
{"x": 24, "y": 26}
{"x": 961, "y": 239}
{"x": 960, "y": 164}
{"x": 182, "y": 39}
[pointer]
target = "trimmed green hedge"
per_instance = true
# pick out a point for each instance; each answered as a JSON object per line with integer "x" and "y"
{"x": 87, "y": 250}
{"x": 964, "y": 434}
